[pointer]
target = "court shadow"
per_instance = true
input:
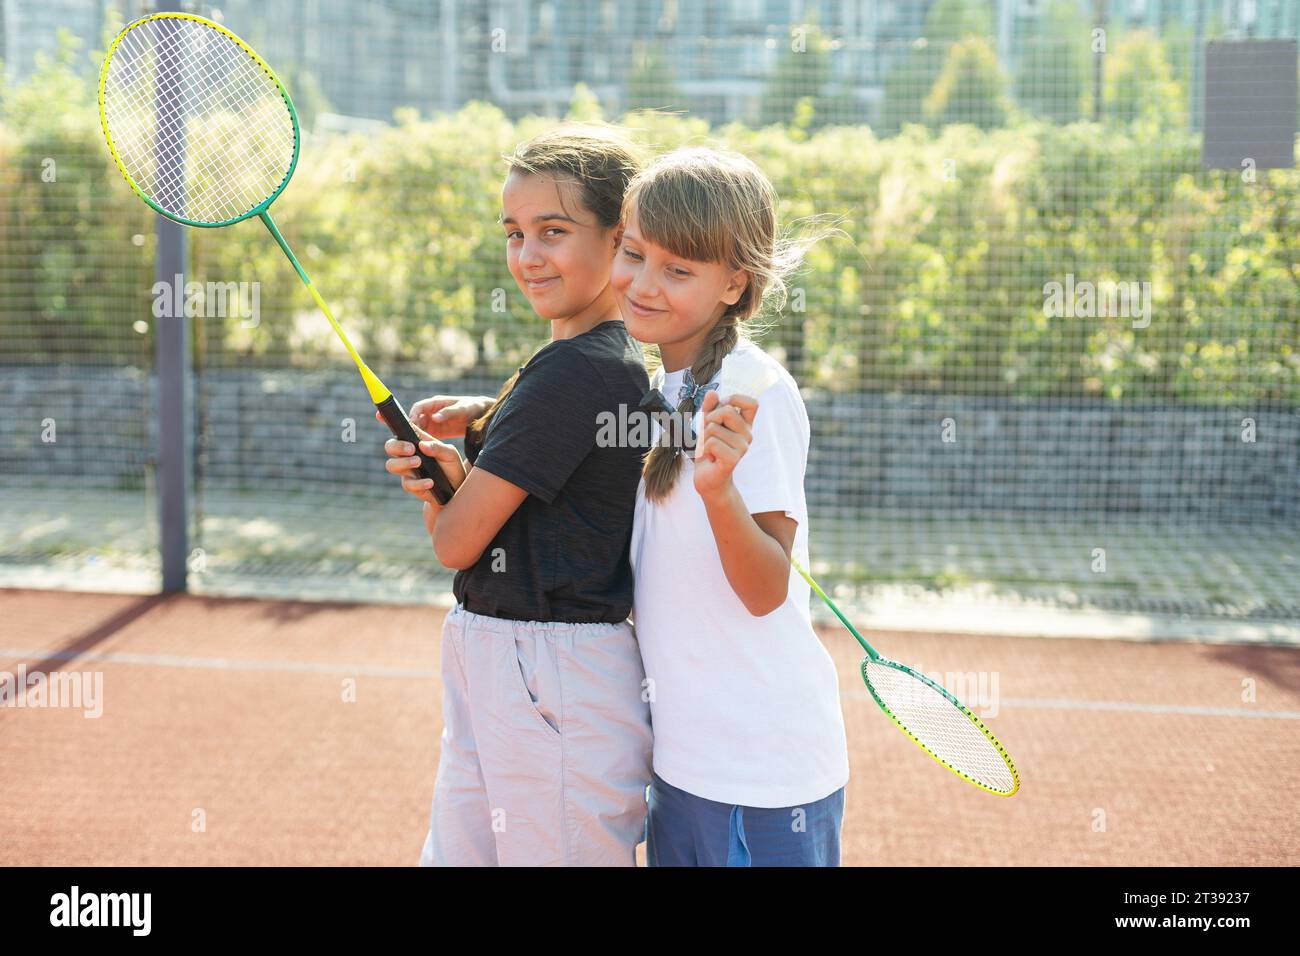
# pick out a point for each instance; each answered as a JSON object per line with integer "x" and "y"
{"x": 288, "y": 612}
{"x": 77, "y": 646}
{"x": 1277, "y": 664}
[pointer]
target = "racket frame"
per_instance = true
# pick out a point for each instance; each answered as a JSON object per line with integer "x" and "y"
{"x": 266, "y": 68}
{"x": 385, "y": 403}
{"x": 966, "y": 712}
{"x": 873, "y": 657}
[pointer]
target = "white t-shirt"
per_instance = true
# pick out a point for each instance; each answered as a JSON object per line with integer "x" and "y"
{"x": 746, "y": 710}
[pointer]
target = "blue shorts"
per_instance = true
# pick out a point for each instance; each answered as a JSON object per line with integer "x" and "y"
{"x": 686, "y": 830}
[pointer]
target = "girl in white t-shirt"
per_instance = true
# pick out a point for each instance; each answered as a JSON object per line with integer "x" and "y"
{"x": 750, "y": 760}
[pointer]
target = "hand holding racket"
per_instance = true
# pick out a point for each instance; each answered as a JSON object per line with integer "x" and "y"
{"x": 447, "y": 416}
{"x": 404, "y": 462}
{"x": 206, "y": 134}
{"x": 932, "y": 718}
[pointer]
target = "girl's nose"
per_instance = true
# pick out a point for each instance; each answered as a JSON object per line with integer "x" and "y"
{"x": 643, "y": 292}
{"x": 531, "y": 254}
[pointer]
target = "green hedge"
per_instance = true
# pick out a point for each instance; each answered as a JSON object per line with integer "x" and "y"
{"x": 954, "y": 234}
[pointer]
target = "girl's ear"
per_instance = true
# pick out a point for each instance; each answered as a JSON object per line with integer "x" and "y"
{"x": 736, "y": 286}
{"x": 618, "y": 235}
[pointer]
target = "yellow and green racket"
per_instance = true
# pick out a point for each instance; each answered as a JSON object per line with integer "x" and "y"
{"x": 934, "y": 719}
{"x": 206, "y": 134}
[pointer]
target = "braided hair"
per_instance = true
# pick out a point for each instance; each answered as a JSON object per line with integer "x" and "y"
{"x": 663, "y": 463}
{"x": 712, "y": 205}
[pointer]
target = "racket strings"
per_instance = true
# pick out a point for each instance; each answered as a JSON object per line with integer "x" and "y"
{"x": 940, "y": 725}
{"x": 244, "y": 84}
{"x": 223, "y": 118}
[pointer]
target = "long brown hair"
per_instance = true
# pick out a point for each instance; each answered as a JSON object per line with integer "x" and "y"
{"x": 600, "y": 160}
{"x": 713, "y": 205}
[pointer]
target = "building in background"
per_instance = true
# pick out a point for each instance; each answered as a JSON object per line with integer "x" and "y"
{"x": 29, "y": 28}
{"x": 717, "y": 58}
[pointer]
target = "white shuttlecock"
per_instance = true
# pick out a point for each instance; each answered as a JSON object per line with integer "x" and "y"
{"x": 746, "y": 372}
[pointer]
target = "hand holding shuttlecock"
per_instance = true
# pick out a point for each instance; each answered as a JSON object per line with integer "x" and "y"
{"x": 726, "y": 435}
{"x": 745, "y": 373}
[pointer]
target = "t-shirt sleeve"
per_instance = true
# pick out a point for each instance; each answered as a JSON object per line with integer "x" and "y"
{"x": 770, "y": 475}
{"x": 547, "y": 425}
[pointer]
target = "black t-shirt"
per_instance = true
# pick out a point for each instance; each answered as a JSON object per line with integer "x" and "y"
{"x": 563, "y": 554}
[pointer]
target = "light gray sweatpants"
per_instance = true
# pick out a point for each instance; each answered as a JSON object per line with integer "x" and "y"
{"x": 546, "y": 742}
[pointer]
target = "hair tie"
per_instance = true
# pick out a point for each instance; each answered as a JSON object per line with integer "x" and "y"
{"x": 694, "y": 392}
{"x": 654, "y": 402}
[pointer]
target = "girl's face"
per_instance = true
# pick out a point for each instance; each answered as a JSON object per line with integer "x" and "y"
{"x": 560, "y": 259}
{"x": 670, "y": 301}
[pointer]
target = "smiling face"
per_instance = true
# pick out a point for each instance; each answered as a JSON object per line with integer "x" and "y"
{"x": 668, "y": 300}
{"x": 557, "y": 250}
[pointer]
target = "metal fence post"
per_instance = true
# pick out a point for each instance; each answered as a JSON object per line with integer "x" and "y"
{"x": 172, "y": 362}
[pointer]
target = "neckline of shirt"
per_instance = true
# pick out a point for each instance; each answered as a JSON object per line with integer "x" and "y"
{"x": 673, "y": 380}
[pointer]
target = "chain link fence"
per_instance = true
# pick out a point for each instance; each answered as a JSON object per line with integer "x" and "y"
{"x": 1056, "y": 362}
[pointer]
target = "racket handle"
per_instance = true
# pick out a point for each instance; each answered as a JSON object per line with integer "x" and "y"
{"x": 395, "y": 417}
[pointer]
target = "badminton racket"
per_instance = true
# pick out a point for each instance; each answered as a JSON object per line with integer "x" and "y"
{"x": 934, "y": 719}
{"x": 205, "y": 133}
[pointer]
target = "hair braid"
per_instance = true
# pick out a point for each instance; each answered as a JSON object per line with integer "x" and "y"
{"x": 663, "y": 463}
{"x": 713, "y": 205}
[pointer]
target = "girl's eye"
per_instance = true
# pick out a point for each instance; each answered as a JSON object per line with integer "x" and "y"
{"x": 636, "y": 257}
{"x": 515, "y": 233}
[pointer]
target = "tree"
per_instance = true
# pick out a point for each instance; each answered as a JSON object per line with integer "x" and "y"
{"x": 584, "y": 105}
{"x": 951, "y": 20}
{"x": 652, "y": 83}
{"x": 1053, "y": 74}
{"x": 908, "y": 84}
{"x": 67, "y": 221}
{"x": 971, "y": 88}
{"x": 913, "y": 77}
{"x": 800, "y": 74}
{"x": 309, "y": 100}
{"x": 1139, "y": 84}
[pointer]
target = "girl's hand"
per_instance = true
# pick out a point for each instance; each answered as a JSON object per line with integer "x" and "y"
{"x": 447, "y": 416}
{"x": 403, "y": 461}
{"x": 723, "y": 440}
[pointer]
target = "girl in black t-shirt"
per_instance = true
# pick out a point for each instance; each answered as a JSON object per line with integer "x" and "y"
{"x": 545, "y": 753}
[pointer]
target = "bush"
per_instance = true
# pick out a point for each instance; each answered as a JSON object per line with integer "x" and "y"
{"x": 954, "y": 232}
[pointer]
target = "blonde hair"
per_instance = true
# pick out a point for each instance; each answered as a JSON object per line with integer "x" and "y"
{"x": 713, "y": 205}
{"x": 600, "y": 160}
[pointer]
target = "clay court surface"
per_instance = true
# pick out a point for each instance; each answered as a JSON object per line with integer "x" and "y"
{"x": 1129, "y": 753}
